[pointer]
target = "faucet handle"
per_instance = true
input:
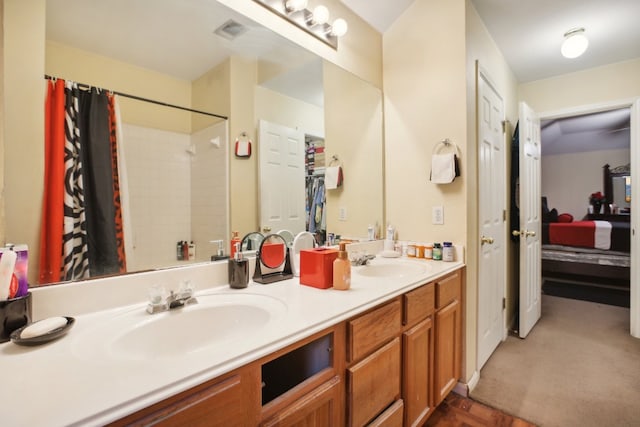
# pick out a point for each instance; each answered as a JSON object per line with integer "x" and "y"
{"x": 157, "y": 294}
{"x": 186, "y": 288}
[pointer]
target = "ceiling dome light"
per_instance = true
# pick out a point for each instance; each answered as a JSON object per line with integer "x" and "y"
{"x": 575, "y": 43}
{"x": 320, "y": 15}
{"x": 339, "y": 27}
{"x": 295, "y": 5}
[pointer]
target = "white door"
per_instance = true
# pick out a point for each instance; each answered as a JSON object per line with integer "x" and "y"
{"x": 529, "y": 203}
{"x": 491, "y": 207}
{"x": 281, "y": 172}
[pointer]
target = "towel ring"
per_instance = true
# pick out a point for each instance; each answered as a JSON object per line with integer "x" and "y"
{"x": 446, "y": 144}
{"x": 335, "y": 160}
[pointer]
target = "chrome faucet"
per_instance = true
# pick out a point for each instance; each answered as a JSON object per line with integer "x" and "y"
{"x": 364, "y": 259}
{"x": 159, "y": 303}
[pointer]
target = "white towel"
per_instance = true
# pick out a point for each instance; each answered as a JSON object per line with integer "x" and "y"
{"x": 332, "y": 177}
{"x": 602, "y": 237}
{"x": 443, "y": 168}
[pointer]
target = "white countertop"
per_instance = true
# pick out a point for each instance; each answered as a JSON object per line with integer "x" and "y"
{"x": 61, "y": 384}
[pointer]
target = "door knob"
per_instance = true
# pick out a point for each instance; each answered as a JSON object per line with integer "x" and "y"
{"x": 488, "y": 240}
{"x": 266, "y": 229}
{"x": 528, "y": 233}
{"x": 516, "y": 233}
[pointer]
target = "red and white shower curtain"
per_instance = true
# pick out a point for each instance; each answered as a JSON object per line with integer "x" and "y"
{"x": 82, "y": 233}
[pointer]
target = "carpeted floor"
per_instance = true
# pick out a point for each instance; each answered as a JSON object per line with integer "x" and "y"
{"x": 578, "y": 367}
{"x": 586, "y": 292}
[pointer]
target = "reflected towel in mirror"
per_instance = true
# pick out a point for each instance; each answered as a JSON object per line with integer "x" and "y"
{"x": 333, "y": 177}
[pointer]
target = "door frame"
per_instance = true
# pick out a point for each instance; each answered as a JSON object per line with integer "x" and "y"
{"x": 634, "y": 105}
{"x": 482, "y": 72}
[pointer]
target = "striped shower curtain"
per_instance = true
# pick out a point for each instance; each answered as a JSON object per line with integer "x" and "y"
{"x": 81, "y": 233}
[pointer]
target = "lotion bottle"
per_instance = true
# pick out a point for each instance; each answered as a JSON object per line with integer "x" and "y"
{"x": 342, "y": 270}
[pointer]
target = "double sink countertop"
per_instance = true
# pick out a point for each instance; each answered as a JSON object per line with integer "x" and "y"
{"x": 118, "y": 360}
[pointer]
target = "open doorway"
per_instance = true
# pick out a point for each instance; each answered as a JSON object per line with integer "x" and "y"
{"x": 586, "y": 209}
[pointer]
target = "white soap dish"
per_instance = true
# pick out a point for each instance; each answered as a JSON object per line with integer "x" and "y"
{"x": 42, "y": 331}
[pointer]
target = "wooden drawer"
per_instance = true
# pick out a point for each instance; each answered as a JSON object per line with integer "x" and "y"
{"x": 373, "y": 384}
{"x": 448, "y": 289}
{"x": 371, "y": 330}
{"x": 419, "y": 304}
{"x": 391, "y": 417}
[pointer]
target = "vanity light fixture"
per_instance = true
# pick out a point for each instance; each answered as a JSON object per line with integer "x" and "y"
{"x": 575, "y": 43}
{"x": 315, "y": 22}
{"x": 319, "y": 16}
{"x": 295, "y": 5}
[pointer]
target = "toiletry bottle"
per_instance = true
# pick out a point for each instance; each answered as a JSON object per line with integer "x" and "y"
{"x": 342, "y": 270}
{"x": 179, "y": 252}
{"x": 371, "y": 233}
{"x": 437, "y": 252}
{"x": 447, "y": 252}
{"x": 234, "y": 239}
{"x": 185, "y": 250}
{"x": 192, "y": 251}
{"x": 238, "y": 269}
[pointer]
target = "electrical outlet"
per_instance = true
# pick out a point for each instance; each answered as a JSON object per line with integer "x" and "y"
{"x": 437, "y": 215}
{"x": 342, "y": 213}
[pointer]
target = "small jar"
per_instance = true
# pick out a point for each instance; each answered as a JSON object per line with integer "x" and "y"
{"x": 419, "y": 251}
{"x": 428, "y": 251}
{"x": 411, "y": 250}
{"x": 437, "y": 252}
{"x": 447, "y": 251}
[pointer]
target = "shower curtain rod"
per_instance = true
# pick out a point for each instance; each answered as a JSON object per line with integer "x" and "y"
{"x": 152, "y": 101}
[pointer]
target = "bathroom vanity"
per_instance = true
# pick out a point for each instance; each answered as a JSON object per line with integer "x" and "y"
{"x": 385, "y": 352}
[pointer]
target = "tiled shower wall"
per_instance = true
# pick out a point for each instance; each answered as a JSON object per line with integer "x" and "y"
{"x": 174, "y": 195}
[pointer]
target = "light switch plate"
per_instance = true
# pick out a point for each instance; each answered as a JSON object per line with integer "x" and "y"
{"x": 437, "y": 215}
{"x": 342, "y": 213}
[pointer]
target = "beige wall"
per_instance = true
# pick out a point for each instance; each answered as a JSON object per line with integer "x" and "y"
{"x": 24, "y": 35}
{"x": 211, "y": 92}
{"x": 354, "y": 122}
{"x": 609, "y": 83}
{"x": 243, "y": 171}
{"x": 86, "y": 67}
{"x": 425, "y": 102}
{"x": 286, "y": 111}
{"x": 568, "y": 189}
{"x": 359, "y": 51}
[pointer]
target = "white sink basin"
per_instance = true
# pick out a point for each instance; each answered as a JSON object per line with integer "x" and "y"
{"x": 393, "y": 270}
{"x": 216, "y": 320}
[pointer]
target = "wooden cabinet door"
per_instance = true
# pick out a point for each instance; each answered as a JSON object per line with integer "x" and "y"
{"x": 321, "y": 407}
{"x": 228, "y": 401}
{"x": 447, "y": 349}
{"x": 373, "y": 383}
{"x": 417, "y": 390}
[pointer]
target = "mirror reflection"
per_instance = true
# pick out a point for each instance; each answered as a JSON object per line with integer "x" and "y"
{"x": 180, "y": 164}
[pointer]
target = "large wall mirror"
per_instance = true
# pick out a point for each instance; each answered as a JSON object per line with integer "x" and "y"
{"x": 183, "y": 175}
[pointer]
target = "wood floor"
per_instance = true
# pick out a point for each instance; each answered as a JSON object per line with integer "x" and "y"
{"x": 458, "y": 411}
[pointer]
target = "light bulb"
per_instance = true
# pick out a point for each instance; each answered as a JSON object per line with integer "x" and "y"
{"x": 339, "y": 27}
{"x": 320, "y": 15}
{"x": 575, "y": 43}
{"x": 295, "y": 5}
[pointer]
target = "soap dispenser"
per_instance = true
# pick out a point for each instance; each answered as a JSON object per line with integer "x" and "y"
{"x": 342, "y": 269}
{"x": 238, "y": 269}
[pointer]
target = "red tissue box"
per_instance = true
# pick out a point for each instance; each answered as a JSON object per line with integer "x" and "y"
{"x": 316, "y": 267}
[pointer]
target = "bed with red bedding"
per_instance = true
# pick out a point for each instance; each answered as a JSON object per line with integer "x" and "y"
{"x": 587, "y": 251}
